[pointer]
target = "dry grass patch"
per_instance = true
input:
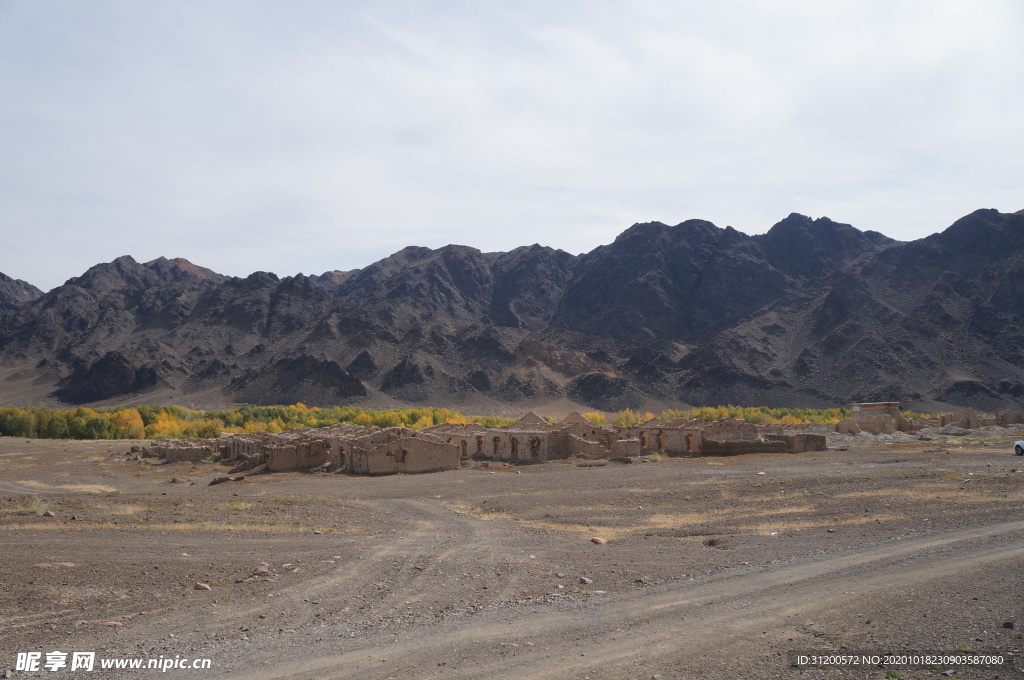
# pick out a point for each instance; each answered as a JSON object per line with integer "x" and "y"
{"x": 81, "y": 488}
{"x": 942, "y": 492}
{"x": 658, "y": 521}
{"x": 183, "y": 526}
{"x": 486, "y": 514}
{"x": 124, "y": 509}
{"x": 32, "y": 505}
{"x": 768, "y": 528}
{"x": 679, "y": 520}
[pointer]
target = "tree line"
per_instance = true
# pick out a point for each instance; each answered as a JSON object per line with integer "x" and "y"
{"x": 174, "y": 422}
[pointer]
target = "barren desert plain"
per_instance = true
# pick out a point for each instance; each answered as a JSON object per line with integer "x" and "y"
{"x": 713, "y": 567}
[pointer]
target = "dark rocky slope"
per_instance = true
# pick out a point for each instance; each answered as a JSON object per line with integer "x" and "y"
{"x": 14, "y": 292}
{"x": 812, "y": 313}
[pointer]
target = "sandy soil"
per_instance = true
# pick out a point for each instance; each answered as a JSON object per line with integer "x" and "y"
{"x": 713, "y": 568}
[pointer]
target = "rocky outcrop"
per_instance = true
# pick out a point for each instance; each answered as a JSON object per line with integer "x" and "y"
{"x": 113, "y": 375}
{"x": 15, "y": 292}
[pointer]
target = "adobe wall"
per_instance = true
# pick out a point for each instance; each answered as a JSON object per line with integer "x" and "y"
{"x": 673, "y": 441}
{"x": 730, "y": 429}
{"x": 469, "y": 440}
{"x": 848, "y": 426}
{"x": 577, "y": 446}
{"x": 520, "y": 446}
{"x": 590, "y": 432}
{"x": 190, "y": 450}
{"x": 246, "y": 445}
{"x": 411, "y": 455}
{"x": 877, "y": 424}
{"x": 904, "y": 425}
{"x": 297, "y": 456}
{"x": 625, "y": 447}
{"x": 965, "y": 418}
{"x": 1004, "y": 418}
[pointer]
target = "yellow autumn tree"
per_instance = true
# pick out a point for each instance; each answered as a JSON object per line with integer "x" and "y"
{"x": 129, "y": 423}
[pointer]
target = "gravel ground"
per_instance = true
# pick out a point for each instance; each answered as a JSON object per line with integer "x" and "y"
{"x": 713, "y": 567}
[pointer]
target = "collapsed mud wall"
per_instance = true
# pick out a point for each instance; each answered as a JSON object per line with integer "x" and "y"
{"x": 189, "y": 450}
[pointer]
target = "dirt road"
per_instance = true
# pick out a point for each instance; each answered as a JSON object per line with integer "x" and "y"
{"x": 713, "y": 568}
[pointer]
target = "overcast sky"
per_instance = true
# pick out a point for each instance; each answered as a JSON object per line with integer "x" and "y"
{"x": 310, "y": 136}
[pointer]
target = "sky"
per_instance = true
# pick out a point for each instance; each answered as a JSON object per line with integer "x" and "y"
{"x": 322, "y": 135}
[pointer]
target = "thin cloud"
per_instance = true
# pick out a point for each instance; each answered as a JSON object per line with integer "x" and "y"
{"x": 322, "y": 136}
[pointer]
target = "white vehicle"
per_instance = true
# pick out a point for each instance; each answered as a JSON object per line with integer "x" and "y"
{"x": 1018, "y": 447}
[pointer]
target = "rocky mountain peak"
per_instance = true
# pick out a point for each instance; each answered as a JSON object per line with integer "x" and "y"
{"x": 179, "y": 269}
{"x": 14, "y": 292}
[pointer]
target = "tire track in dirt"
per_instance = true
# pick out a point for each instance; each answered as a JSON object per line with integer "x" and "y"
{"x": 673, "y": 621}
{"x": 436, "y": 538}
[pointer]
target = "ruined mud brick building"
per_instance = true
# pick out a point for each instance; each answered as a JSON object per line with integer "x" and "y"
{"x": 885, "y": 418}
{"x": 373, "y": 451}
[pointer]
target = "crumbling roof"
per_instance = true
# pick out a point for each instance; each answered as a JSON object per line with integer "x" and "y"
{"x": 530, "y": 418}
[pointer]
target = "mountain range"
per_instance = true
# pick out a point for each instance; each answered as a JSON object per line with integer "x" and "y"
{"x": 812, "y": 313}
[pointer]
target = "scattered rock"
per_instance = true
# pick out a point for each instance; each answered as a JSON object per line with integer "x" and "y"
{"x": 1009, "y": 624}
{"x": 219, "y": 480}
{"x": 49, "y": 513}
{"x": 109, "y": 623}
{"x": 586, "y": 581}
{"x": 598, "y": 540}
{"x": 202, "y": 586}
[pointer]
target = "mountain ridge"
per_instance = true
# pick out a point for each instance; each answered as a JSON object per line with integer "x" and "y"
{"x": 811, "y": 313}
